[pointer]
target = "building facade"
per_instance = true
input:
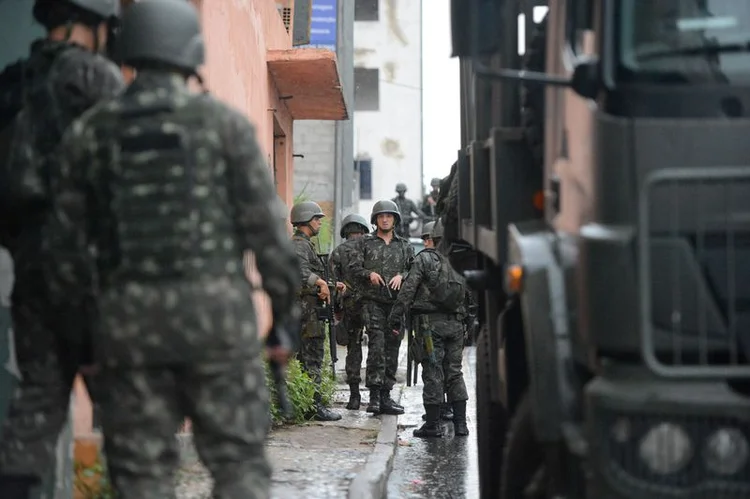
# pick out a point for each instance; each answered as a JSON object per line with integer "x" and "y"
{"x": 251, "y": 64}
{"x": 387, "y": 99}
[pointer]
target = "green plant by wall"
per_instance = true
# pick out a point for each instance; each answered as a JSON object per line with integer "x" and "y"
{"x": 301, "y": 390}
{"x": 92, "y": 482}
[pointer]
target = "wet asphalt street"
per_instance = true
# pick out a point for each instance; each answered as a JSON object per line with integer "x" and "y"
{"x": 443, "y": 468}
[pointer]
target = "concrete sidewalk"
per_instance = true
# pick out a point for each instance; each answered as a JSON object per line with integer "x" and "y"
{"x": 347, "y": 458}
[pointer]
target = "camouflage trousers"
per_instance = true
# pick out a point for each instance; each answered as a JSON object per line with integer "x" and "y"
{"x": 40, "y": 406}
{"x": 354, "y": 325}
{"x": 227, "y": 403}
{"x": 382, "y": 346}
{"x": 445, "y": 375}
{"x": 313, "y": 337}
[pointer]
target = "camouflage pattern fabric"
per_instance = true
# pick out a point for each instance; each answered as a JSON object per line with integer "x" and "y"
{"x": 143, "y": 408}
{"x": 407, "y": 208}
{"x": 445, "y": 375}
{"x": 170, "y": 189}
{"x": 50, "y": 342}
{"x": 339, "y": 262}
{"x": 388, "y": 260}
{"x": 429, "y": 206}
{"x": 414, "y": 295}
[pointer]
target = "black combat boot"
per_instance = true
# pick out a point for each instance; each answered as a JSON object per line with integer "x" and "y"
{"x": 355, "y": 399}
{"x": 446, "y": 411}
{"x": 374, "y": 405}
{"x": 17, "y": 486}
{"x": 388, "y": 405}
{"x": 459, "y": 419}
{"x": 323, "y": 413}
{"x": 431, "y": 428}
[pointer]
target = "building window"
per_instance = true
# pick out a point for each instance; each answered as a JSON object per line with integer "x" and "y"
{"x": 364, "y": 166}
{"x": 366, "y": 89}
{"x": 366, "y": 10}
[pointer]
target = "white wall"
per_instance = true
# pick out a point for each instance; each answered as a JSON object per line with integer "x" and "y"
{"x": 392, "y": 136}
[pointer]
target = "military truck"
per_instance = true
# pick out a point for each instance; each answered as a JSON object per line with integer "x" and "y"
{"x": 600, "y": 204}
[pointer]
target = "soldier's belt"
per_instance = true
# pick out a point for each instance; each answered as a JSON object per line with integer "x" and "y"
{"x": 439, "y": 316}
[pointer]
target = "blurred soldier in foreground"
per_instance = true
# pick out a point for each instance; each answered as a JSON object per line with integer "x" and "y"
{"x": 352, "y": 227}
{"x": 63, "y": 77}
{"x": 379, "y": 266}
{"x": 429, "y": 202}
{"x": 406, "y": 208}
{"x": 307, "y": 217}
{"x": 436, "y": 294}
{"x": 169, "y": 189}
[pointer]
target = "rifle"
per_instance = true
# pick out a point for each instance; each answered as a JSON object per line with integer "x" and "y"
{"x": 409, "y": 357}
{"x": 280, "y": 337}
{"x": 326, "y": 312}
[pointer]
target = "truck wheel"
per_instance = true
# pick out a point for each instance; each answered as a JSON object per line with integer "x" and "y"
{"x": 523, "y": 460}
{"x": 491, "y": 422}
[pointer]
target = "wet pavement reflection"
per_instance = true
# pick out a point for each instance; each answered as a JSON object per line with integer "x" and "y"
{"x": 443, "y": 468}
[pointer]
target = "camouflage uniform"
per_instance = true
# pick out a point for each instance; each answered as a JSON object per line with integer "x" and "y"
{"x": 170, "y": 189}
{"x": 444, "y": 375}
{"x": 388, "y": 260}
{"x": 313, "y": 335}
{"x": 429, "y": 201}
{"x": 339, "y": 261}
{"x": 62, "y": 80}
{"x": 406, "y": 208}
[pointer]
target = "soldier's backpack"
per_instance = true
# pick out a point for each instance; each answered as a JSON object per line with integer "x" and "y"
{"x": 448, "y": 288}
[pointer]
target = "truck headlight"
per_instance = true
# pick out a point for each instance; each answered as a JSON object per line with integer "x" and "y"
{"x": 726, "y": 451}
{"x": 665, "y": 449}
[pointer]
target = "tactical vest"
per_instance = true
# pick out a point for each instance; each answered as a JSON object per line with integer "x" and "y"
{"x": 168, "y": 193}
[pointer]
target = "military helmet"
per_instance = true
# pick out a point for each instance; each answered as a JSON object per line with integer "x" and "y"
{"x": 435, "y": 182}
{"x": 437, "y": 230}
{"x": 354, "y": 218}
{"x": 163, "y": 32}
{"x": 305, "y": 211}
{"x": 400, "y": 187}
{"x": 105, "y": 9}
{"x": 385, "y": 206}
{"x": 427, "y": 229}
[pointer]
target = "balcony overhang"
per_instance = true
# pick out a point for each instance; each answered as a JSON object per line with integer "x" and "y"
{"x": 307, "y": 80}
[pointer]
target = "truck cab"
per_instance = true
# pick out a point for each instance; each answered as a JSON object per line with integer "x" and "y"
{"x": 604, "y": 183}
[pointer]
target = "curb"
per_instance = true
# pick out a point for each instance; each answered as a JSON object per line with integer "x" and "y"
{"x": 372, "y": 481}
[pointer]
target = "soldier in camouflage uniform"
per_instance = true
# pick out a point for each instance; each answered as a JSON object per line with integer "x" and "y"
{"x": 447, "y": 330}
{"x": 378, "y": 268}
{"x": 406, "y": 208}
{"x": 306, "y": 217}
{"x": 429, "y": 202}
{"x": 352, "y": 227}
{"x": 162, "y": 191}
{"x": 64, "y": 76}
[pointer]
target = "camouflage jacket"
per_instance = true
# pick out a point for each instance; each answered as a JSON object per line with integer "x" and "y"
{"x": 374, "y": 255}
{"x": 42, "y": 96}
{"x": 429, "y": 205}
{"x": 339, "y": 262}
{"x": 164, "y": 185}
{"x": 407, "y": 207}
{"x": 414, "y": 296}
{"x": 310, "y": 266}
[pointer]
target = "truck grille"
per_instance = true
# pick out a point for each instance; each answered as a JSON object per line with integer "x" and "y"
{"x": 694, "y": 271}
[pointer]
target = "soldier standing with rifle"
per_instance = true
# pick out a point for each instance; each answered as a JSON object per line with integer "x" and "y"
{"x": 406, "y": 208}
{"x": 436, "y": 294}
{"x": 307, "y": 218}
{"x": 429, "y": 203}
{"x": 352, "y": 228}
{"x": 65, "y": 75}
{"x": 379, "y": 266}
{"x": 162, "y": 191}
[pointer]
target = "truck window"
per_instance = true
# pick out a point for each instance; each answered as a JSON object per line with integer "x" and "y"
{"x": 684, "y": 41}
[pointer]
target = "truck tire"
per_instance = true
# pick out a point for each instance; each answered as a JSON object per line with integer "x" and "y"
{"x": 491, "y": 422}
{"x": 532, "y": 98}
{"x": 522, "y": 456}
